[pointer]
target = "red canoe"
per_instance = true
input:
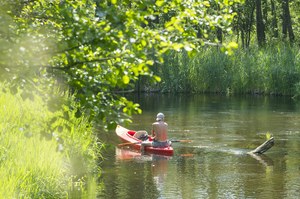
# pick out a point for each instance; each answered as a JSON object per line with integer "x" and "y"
{"x": 130, "y": 137}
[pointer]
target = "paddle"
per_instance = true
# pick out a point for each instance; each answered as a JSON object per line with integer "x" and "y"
{"x": 132, "y": 143}
{"x": 186, "y": 141}
{"x": 129, "y": 143}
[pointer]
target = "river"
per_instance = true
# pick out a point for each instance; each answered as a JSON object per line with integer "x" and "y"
{"x": 215, "y": 164}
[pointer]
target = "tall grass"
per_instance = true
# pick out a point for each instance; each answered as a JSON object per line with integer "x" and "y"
{"x": 33, "y": 165}
{"x": 269, "y": 70}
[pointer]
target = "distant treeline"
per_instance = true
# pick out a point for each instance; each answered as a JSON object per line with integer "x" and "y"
{"x": 271, "y": 70}
{"x": 266, "y": 62}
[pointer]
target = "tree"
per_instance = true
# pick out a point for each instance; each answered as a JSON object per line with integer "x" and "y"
{"x": 287, "y": 29}
{"x": 260, "y": 27}
{"x": 244, "y": 22}
{"x": 274, "y": 23}
{"x": 99, "y": 47}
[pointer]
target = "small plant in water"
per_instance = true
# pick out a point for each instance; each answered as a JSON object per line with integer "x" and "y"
{"x": 268, "y": 135}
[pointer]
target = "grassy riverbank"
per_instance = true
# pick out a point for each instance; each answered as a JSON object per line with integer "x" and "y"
{"x": 270, "y": 70}
{"x": 42, "y": 154}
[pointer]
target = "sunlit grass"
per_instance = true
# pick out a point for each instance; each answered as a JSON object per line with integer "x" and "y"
{"x": 31, "y": 166}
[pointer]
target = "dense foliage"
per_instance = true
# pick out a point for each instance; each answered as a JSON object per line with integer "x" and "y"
{"x": 267, "y": 62}
{"x": 267, "y": 22}
{"x": 98, "y": 48}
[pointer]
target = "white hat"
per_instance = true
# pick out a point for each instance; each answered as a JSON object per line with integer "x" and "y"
{"x": 160, "y": 117}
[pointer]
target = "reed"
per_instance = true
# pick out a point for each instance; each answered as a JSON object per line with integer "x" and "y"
{"x": 274, "y": 69}
{"x": 31, "y": 166}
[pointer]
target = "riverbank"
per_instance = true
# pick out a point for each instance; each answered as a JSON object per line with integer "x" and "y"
{"x": 42, "y": 154}
{"x": 272, "y": 70}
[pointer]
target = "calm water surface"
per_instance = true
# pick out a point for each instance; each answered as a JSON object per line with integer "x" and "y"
{"x": 215, "y": 164}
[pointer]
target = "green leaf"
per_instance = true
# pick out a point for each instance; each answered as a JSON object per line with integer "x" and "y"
{"x": 177, "y": 46}
{"x": 159, "y": 3}
{"x": 268, "y": 135}
{"x": 126, "y": 79}
{"x": 206, "y": 3}
{"x": 150, "y": 62}
{"x": 233, "y": 45}
{"x": 157, "y": 78}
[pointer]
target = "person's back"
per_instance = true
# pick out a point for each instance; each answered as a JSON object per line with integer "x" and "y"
{"x": 160, "y": 131}
{"x": 159, "y": 134}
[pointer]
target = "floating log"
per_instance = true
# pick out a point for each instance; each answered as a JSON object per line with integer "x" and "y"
{"x": 264, "y": 147}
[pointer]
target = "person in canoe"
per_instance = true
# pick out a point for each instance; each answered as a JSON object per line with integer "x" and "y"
{"x": 159, "y": 133}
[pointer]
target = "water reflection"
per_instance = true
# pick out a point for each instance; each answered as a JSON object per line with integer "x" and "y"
{"x": 263, "y": 159}
{"x": 159, "y": 169}
{"x": 158, "y": 165}
{"x": 123, "y": 154}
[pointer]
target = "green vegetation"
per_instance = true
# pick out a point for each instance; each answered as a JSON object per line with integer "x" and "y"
{"x": 93, "y": 50}
{"x": 98, "y": 48}
{"x": 269, "y": 70}
{"x": 37, "y": 162}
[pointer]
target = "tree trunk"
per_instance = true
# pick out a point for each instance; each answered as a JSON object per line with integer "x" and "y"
{"x": 245, "y": 22}
{"x": 219, "y": 35}
{"x": 274, "y": 24}
{"x": 265, "y": 9}
{"x": 260, "y": 28}
{"x": 286, "y": 21}
{"x": 249, "y": 29}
